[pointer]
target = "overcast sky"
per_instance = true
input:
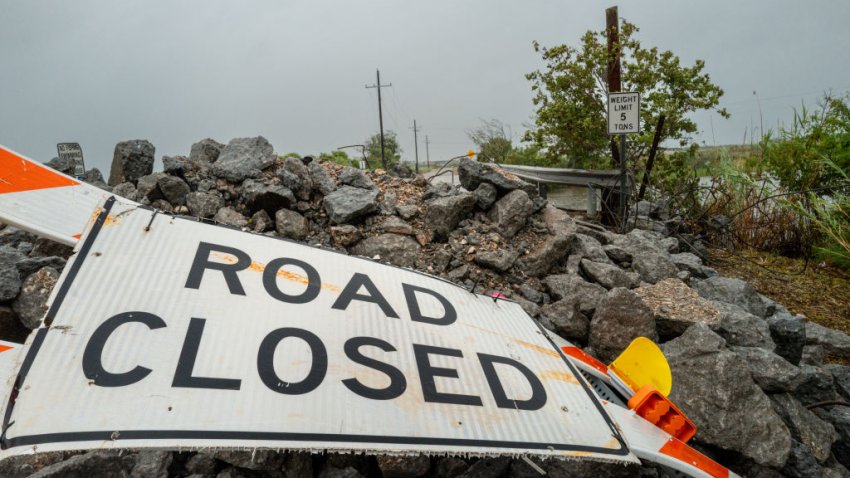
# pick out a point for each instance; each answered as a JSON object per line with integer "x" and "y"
{"x": 174, "y": 72}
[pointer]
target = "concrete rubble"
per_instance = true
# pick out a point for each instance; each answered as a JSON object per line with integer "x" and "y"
{"x": 744, "y": 368}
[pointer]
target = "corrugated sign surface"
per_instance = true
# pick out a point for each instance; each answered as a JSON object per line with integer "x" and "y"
{"x": 41, "y": 200}
{"x": 165, "y": 332}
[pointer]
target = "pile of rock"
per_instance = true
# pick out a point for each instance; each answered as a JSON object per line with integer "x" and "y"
{"x": 750, "y": 374}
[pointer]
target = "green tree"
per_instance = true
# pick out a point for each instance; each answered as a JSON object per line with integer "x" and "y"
{"x": 338, "y": 157}
{"x": 814, "y": 152}
{"x": 494, "y": 144}
{"x": 570, "y": 96}
{"x": 392, "y": 151}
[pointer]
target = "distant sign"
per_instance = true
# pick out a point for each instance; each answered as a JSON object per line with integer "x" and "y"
{"x": 166, "y": 332}
{"x": 623, "y": 113}
{"x": 73, "y": 152}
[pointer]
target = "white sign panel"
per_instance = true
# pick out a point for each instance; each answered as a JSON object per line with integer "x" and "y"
{"x": 623, "y": 113}
{"x": 74, "y": 152}
{"x": 165, "y": 332}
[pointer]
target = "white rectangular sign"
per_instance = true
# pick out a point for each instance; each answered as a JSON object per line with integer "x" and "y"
{"x": 165, "y": 332}
{"x": 73, "y": 152}
{"x": 623, "y": 113}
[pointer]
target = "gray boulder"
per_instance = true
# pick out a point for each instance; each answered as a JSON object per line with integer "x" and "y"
{"x": 407, "y": 211}
{"x": 741, "y": 328}
{"x": 356, "y": 178}
{"x": 770, "y": 371}
{"x": 654, "y": 267}
{"x": 63, "y": 165}
{"x": 244, "y": 158}
{"x": 839, "y": 418}
{"x": 677, "y": 307}
{"x": 714, "y": 388}
{"x": 733, "y": 291}
{"x": 291, "y": 224}
{"x": 499, "y": 260}
{"x": 396, "y": 225}
{"x": 345, "y": 235}
{"x": 687, "y": 261}
{"x": 841, "y": 378}
{"x": 268, "y": 197}
{"x": 818, "y": 435}
{"x": 620, "y": 317}
{"x": 485, "y": 195}
{"x": 816, "y": 385}
{"x": 31, "y": 304}
{"x": 131, "y": 160}
{"x": 147, "y": 187}
{"x": 546, "y": 255}
{"x": 834, "y": 342}
{"x": 230, "y": 217}
{"x": 93, "y": 463}
{"x": 472, "y": 173}
{"x": 10, "y": 278}
{"x": 31, "y": 264}
{"x": 392, "y": 248}
{"x": 588, "y": 247}
{"x": 789, "y": 334}
{"x": 574, "y": 288}
{"x": 173, "y": 189}
{"x": 322, "y": 181}
{"x": 617, "y": 253}
{"x": 152, "y": 464}
{"x": 206, "y": 150}
{"x": 609, "y": 276}
{"x": 443, "y": 214}
{"x": 261, "y": 221}
{"x": 349, "y": 204}
{"x": 203, "y": 204}
{"x": 125, "y": 190}
{"x": 564, "y": 317}
{"x": 510, "y": 213}
{"x": 801, "y": 463}
{"x": 295, "y": 176}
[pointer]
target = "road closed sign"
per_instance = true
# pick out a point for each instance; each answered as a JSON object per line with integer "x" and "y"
{"x": 623, "y": 113}
{"x": 166, "y": 332}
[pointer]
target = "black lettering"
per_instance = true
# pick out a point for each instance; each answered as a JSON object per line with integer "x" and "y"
{"x": 314, "y": 282}
{"x": 350, "y": 293}
{"x": 186, "y": 363}
{"x": 427, "y": 372}
{"x": 93, "y": 354}
{"x": 449, "y": 316}
{"x": 265, "y": 362}
{"x": 398, "y": 384}
{"x": 202, "y": 262}
{"x": 538, "y": 393}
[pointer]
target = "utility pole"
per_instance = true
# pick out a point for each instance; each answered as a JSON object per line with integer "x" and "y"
{"x": 416, "y": 145}
{"x": 612, "y": 27}
{"x": 427, "y": 154}
{"x": 378, "y": 85}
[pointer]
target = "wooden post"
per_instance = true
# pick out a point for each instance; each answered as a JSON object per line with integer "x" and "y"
{"x": 612, "y": 27}
{"x": 659, "y": 127}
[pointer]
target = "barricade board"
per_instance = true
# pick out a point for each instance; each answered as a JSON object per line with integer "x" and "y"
{"x": 165, "y": 332}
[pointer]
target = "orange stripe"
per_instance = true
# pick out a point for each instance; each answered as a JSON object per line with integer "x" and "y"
{"x": 20, "y": 174}
{"x": 4, "y": 348}
{"x": 678, "y": 450}
{"x": 580, "y": 354}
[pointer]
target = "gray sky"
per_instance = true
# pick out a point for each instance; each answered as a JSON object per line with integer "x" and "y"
{"x": 174, "y": 72}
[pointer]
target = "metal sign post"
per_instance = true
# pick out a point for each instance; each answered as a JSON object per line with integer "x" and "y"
{"x": 623, "y": 118}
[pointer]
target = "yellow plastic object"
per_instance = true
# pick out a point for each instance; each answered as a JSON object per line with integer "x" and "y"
{"x": 643, "y": 363}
